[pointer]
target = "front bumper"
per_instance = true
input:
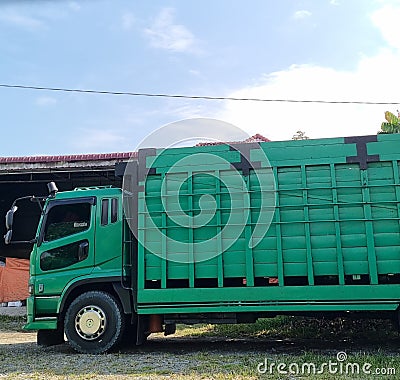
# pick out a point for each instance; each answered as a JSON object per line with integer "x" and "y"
{"x": 38, "y": 323}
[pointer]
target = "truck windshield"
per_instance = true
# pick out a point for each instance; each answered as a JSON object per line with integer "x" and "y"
{"x": 65, "y": 220}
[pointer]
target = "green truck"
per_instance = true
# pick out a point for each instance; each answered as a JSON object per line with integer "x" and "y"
{"x": 222, "y": 233}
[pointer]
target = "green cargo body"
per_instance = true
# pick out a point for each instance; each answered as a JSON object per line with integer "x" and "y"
{"x": 330, "y": 243}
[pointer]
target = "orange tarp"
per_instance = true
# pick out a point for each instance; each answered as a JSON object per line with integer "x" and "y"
{"x": 14, "y": 279}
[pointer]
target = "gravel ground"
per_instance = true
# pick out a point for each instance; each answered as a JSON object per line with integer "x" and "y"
{"x": 13, "y": 311}
{"x": 175, "y": 359}
{"x": 169, "y": 358}
{"x": 181, "y": 358}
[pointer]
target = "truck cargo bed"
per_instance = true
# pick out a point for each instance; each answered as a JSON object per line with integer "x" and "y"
{"x": 215, "y": 233}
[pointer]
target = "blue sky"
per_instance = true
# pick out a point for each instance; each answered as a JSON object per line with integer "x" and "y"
{"x": 305, "y": 49}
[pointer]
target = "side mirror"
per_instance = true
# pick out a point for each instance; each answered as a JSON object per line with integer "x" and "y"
{"x": 10, "y": 217}
{"x": 8, "y": 237}
{"x": 51, "y": 186}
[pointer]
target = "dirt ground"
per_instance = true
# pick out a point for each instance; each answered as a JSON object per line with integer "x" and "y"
{"x": 12, "y": 336}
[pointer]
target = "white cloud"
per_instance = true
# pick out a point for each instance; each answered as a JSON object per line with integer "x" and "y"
{"x": 17, "y": 19}
{"x": 196, "y": 73}
{"x": 74, "y": 6}
{"x": 301, "y": 14}
{"x": 164, "y": 33}
{"x": 334, "y": 2}
{"x": 37, "y": 18}
{"x": 95, "y": 140}
{"x": 387, "y": 19}
{"x": 279, "y": 121}
{"x": 376, "y": 78}
{"x": 44, "y": 101}
{"x": 128, "y": 20}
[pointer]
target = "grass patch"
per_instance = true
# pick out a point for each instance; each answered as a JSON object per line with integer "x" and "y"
{"x": 298, "y": 328}
{"x": 12, "y": 323}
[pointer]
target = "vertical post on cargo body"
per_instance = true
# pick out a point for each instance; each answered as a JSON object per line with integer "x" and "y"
{"x": 278, "y": 231}
{"x": 310, "y": 267}
{"x": 129, "y": 227}
{"x": 247, "y": 232}
{"x": 339, "y": 251}
{"x": 133, "y": 185}
{"x": 191, "y": 237}
{"x": 220, "y": 262}
{"x": 395, "y": 166}
{"x": 372, "y": 264}
{"x": 141, "y": 236}
{"x": 164, "y": 263}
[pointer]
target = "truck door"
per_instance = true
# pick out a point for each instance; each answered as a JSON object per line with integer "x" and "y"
{"x": 65, "y": 248}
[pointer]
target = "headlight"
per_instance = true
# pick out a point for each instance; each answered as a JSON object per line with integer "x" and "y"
{"x": 30, "y": 289}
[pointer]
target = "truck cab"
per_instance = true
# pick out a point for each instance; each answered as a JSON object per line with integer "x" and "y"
{"x": 77, "y": 257}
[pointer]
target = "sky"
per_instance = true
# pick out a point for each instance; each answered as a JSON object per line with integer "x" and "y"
{"x": 334, "y": 50}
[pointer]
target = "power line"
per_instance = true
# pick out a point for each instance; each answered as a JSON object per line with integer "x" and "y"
{"x": 59, "y": 89}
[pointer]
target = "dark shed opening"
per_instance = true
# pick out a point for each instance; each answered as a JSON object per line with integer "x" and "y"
{"x": 22, "y": 176}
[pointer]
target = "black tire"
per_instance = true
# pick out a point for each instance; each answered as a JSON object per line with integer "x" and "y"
{"x": 94, "y": 323}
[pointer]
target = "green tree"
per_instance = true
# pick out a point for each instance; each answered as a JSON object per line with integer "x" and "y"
{"x": 300, "y": 135}
{"x": 392, "y": 123}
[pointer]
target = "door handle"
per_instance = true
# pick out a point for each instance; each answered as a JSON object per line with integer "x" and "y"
{"x": 83, "y": 250}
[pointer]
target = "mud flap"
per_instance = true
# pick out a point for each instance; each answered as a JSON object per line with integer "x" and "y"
{"x": 48, "y": 338}
{"x": 142, "y": 329}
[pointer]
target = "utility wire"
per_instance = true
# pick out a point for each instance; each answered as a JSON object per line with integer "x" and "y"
{"x": 193, "y": 96}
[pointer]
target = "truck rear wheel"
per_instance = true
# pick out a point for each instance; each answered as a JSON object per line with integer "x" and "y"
{"x": 94, "y": 323}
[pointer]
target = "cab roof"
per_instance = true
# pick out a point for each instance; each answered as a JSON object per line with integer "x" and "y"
{"x": 92, "y": 191}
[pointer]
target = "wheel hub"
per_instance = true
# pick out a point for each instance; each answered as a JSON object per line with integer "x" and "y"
{"x": 90, "y": 322}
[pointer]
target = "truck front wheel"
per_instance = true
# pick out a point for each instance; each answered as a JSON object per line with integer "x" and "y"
{"x": 94, "y": 323}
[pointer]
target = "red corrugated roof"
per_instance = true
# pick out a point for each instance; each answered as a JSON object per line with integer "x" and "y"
{"x": 67, "y": 158}
{"x": 105, "y": 156}
{"x": 257, "y": 138}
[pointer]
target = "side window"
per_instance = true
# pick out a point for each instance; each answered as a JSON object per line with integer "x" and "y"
{"x": 104, "y": 212}
{"x": 114, "y": 210}
{"x": 65, "y": 220}
{"x": 106, "y": 216}
{"x": 64, "y": 256}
